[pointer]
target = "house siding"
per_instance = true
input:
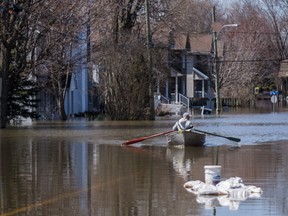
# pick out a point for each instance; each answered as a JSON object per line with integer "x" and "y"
{"x": 283, "y": 69}
{"x": 76, "y": 100}
{"x": 190, "y": 85}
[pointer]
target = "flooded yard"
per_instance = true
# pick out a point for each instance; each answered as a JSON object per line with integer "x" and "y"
{"x": 80, "y": 167}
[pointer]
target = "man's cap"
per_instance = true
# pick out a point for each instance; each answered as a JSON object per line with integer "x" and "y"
{"x": 186, "y": 115}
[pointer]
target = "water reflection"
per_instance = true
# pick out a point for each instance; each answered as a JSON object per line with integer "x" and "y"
{"x": 80, "y": 168}
{"x": 60, "y": 178}
{"x": 183, "y": 159}
{"x": 259, "y": 166}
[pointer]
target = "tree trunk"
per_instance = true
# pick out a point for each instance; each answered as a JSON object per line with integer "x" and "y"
{"x": 6, "y": 59}
{"x": 61, "y": 109}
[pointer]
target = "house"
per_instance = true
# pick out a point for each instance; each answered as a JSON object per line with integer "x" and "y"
{"x": 189, "y": 58}
{"x": 80, "y": 97}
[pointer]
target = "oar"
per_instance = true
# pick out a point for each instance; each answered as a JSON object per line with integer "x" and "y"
{"x": 213, "y": 134}
{"x": 129, "y": 142}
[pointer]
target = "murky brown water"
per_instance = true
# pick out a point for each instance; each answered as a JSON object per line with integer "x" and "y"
{"x": 80, "y": 168}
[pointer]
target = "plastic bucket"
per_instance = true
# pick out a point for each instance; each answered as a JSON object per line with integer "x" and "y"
{"x": 212, "y": 174}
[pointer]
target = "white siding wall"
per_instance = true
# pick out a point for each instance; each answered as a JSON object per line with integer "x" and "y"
{"x": 190, "y": 85}
{"x": 190, "y": 76}
{"x": 190, "y": 64}
{"x": 76, "y": 100}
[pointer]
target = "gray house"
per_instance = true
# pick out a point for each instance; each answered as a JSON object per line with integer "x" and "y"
{"x": 80, "y": 96}
{"x": 190, "y": 70}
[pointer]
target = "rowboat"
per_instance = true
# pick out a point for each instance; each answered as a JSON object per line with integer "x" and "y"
{"x": 186, "y": 138}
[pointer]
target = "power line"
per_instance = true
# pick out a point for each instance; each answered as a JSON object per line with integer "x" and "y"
{"x": 231, "y": 61}
{"x": 251, "y": 60}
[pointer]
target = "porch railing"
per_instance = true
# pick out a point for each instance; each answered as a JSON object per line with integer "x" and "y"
{"x": 181, "y": 99}
{"x": 200, "y": 94}
{"x": 184, "y": 100}
{"x": 158, "y": 98}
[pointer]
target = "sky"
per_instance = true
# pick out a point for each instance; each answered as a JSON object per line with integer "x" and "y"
{"x": 227, "y": 2}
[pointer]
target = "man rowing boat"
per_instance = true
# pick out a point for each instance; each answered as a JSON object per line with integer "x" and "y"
{"x": 183, "y": 123}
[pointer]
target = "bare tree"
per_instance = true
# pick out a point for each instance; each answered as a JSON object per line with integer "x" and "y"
{"x": 14, "y": 44}
{"x": 124, "y": 33}
{"x": 60, "y": 26}
{"x": 249, "y": 52}
{"x": 124, "y": 83}
{"x": 123, "y": 59}
{"x": 276, "y": 12}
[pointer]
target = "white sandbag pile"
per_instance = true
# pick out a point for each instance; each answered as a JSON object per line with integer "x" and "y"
{"x": 229, "y": 186}
{"x": 226, "y": 193}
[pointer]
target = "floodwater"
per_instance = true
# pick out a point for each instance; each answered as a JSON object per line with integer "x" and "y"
{"x": 80, "y": 168}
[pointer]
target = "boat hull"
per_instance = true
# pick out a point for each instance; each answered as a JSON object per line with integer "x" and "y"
{"x": 186, "y": 138}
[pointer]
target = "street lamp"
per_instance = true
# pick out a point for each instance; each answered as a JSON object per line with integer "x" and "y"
{"x": 215, "y": 67}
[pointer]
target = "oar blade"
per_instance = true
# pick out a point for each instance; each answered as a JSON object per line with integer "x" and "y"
{"x": 131, "y": 142}
{"x": 218, "y": 135}
{"x": 234, "y": 139}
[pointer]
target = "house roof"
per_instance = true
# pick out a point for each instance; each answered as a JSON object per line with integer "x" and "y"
{"x": 180, "y": 41}
{"x": 283, "y": 72}
{"x": 200, "y": 75}
{"x": 175, "y": 73}
{"x": 199, "y": 43}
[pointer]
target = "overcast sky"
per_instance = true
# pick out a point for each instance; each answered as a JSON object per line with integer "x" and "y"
{"x": 227, "y": 2}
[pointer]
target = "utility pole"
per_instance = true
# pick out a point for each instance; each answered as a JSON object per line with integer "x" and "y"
{"x": 150, "y": 63}
{"x": 216, "y": 31}
{"x": 89, "y": 64}
{"x": 215, "y": 65}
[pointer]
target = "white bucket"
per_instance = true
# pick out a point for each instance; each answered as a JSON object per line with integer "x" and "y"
{"x": 212, "y": 174}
